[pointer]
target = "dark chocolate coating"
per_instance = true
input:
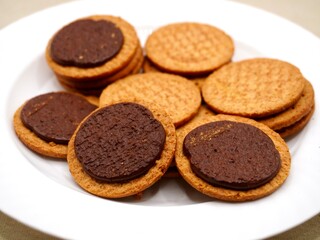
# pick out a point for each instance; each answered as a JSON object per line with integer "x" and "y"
{"x": 232, "y": 155}
{"x": 55, "y": 116}
{"x": 86, "y": 43}
{"x": 120, "y": 142}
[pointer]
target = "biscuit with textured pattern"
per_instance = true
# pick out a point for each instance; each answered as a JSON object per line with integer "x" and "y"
{"x": 183, "y": 164}
{"x": 189, "y": 48}
{"x": 256, "y": 87}
{"x": 180, "y": 97}
{"x": 137, "y": 185}
{"x": 293, "y": 114}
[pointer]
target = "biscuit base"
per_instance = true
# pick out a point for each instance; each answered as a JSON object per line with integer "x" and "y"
{"x": 183, "y": 164}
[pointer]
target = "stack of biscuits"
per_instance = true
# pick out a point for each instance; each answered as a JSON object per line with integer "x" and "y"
{"x": 90, "y": 53}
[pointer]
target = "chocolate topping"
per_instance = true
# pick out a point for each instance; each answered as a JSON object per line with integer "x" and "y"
{"x": 120, "y": 142}
{"x": 232, "y": 155}
{"x": 54, "y": 117}
{"x": 86, "y": 43}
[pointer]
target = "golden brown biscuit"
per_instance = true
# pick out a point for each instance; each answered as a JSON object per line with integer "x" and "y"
{"x": 186, "y": 172}
{"x": 292, "y": 115}
{"x": 137, "y": 185}
{"x": 180, "y": 97}
{"x": 254, "y": 87}
{"x": 189, "y": 48}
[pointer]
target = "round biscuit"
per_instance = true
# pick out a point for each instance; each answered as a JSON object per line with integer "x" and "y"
{"x": 256, "y": 87}
{"x": 135, "y": 186}
{"x": 189, "y": 48}
{"x": 183, "y": 164}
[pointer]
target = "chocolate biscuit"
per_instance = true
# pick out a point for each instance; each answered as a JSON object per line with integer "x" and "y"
{"x": 226, "y": 194}
{"x": 103, "y": 64}
{"x": 86, "y": 43}
{"x": 123, "y": 147}
{"x": 231, "y": 155}
{"x": 138, "y": 183}
{"x": 46, "y": 122}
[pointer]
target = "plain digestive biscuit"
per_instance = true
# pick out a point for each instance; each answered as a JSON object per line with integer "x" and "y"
{"x": 253, "y": 88}
{"x": 189, "y": 48}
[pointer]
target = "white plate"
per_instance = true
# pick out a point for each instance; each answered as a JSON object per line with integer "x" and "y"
{"x": 41, "y": 193}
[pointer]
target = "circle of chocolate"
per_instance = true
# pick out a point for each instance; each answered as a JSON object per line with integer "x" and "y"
{"x": 120, "y": 142}
{"x": 55, "y": 116}
{"x": 86, "y": 43}
{"x": 232, "y": 155}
